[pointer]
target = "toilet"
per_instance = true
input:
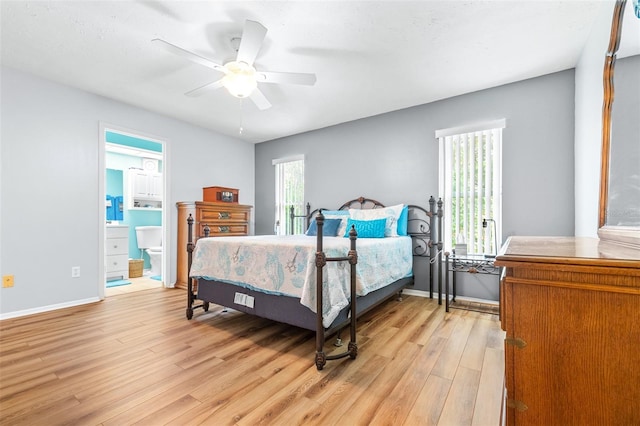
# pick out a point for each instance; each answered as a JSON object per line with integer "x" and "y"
{"x": 149, "y": 239}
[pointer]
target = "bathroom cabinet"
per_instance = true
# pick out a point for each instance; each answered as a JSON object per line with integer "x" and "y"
{"x": 117, "y": 252}
{"x": 223, "y": 219}
{"x": 145, "y": 189}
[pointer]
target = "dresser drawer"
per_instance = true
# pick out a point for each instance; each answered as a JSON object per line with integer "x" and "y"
{"x": 217, "y": 215}
{"x": 220, "y": 230}
{"x": 117, "y": 246}
{"x": 118, "y": 262}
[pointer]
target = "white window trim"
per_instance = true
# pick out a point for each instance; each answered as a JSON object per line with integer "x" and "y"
{"x": 287, "y": 159}
{"x": 469, "y": 128}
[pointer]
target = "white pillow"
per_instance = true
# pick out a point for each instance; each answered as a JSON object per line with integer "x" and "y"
{"x": 392, "y": 214}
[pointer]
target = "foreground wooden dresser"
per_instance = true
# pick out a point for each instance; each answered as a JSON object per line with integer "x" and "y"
{"x": 223, "y": 219}
{"x": 571, "y": 312}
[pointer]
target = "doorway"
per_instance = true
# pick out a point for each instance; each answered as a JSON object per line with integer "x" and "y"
{"x": 133, "y": 191}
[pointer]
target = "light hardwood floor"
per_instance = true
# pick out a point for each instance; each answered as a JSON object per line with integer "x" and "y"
{"x": 135, "y": 359}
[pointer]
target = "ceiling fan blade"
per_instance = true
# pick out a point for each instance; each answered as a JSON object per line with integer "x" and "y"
{"x": 206, "y": 88}
{"x": 189, "y": 55}
{"x": 286, "y": 78}
{"x": 252, "y": 37}
{"x": 260, "y": 100}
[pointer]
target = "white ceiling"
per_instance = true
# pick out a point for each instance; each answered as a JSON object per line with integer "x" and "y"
{"x": 369, "y": 57}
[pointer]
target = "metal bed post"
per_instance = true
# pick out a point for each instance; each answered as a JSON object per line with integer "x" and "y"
{"x": 189, "y": 261}
{"x": 439, "y": 253}
{"x": 191, "y": 297}
{"x": 321, "y": 261}
{"x": 432, "y": 242}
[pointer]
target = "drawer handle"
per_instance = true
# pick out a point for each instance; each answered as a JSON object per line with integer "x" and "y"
{"x": 224, "y": 215}
{"x": 515, "y": 341}
{"x": 223, "y": 229}
{"x": 115, "y": 246}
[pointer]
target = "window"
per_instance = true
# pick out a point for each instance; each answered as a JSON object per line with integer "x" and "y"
{"x": 289, "y": 192}
{"x": 471, "y": 186}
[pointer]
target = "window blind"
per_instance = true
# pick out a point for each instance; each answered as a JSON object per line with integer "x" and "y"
{"x": 471, "y": 186}
{"x": 289, "y": 192}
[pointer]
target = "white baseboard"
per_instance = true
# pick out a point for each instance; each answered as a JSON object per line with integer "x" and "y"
{"x": 48, "y": 308}
{"x": 422, "y": 293}
{"x": 419, "y": 293}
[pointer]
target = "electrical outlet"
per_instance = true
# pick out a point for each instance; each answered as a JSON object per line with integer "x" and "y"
{"x": 75, "y": 271}
{"x": 7, "y": 281}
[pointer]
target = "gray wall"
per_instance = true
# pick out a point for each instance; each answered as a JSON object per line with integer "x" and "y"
{"x": 49, "y": 187}
{"x": 394, "y": 157}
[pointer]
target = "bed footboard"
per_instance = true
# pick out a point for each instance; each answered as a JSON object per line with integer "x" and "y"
{"x": 321, "y": 261}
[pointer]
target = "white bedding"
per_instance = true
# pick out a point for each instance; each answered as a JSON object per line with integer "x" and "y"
{"x": 285, "y": 265}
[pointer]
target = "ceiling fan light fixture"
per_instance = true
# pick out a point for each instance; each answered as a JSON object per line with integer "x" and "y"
{"x": 240, "y": 79}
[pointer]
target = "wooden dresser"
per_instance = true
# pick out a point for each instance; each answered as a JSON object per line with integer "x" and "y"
{"x": 223, "y": 219}
{"x": 571, "y": 311}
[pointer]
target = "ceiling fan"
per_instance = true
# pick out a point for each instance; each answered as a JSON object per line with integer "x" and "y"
{"x": 240, "y": 76}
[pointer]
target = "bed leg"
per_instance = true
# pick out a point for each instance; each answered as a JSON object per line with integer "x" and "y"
{"x": 399, "y": 298}
{"x": 353, "y": 350}
{"x": 321, "y": 360}
{"x": 190, "y": 299}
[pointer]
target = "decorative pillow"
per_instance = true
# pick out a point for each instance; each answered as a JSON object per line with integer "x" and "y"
{"x": 391, "y": 214}
{"x": 343, "y": 215}
{"x": 403, "y": 222}
{"x": 329, "y": 227}
{"x": 367, "y": 228}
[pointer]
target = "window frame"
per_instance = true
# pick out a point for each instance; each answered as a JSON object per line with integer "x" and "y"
{"x": 445, "y": 138}
{"x": 281, "y": 210}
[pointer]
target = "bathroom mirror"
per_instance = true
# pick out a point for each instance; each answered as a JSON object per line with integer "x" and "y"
{"x": 619, "y": 210}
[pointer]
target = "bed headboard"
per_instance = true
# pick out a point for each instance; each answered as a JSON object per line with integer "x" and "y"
{"x": 357, "y": 203}
{"x": 421, "y": 227}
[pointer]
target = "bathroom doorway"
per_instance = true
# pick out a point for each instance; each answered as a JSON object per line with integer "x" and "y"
{"x": 134, "y": 196}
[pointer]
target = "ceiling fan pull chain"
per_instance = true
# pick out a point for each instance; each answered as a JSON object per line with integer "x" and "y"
{"x": 241, "y": 115}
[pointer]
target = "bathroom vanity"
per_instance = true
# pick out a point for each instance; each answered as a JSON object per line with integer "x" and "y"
{"x": 117, "y": 252}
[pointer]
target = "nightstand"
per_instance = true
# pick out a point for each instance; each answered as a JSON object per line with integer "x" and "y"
{"x": 468, "y": 263}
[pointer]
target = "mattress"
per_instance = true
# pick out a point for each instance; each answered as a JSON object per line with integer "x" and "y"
{"x": 285, "y": 265}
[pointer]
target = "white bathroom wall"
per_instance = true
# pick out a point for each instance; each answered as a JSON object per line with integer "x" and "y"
{"x": 49, "y": 185}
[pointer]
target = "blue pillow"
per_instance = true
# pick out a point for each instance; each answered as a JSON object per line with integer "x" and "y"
{"x": 403, "y": 221}
{"x": 329, "y": 228}
{"x": 367, "y": 228}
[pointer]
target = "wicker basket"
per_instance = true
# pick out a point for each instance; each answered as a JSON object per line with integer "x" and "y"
{"x": 135, "y": 268}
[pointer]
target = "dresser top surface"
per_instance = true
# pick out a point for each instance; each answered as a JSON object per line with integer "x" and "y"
{"x": 567, "y": 250}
